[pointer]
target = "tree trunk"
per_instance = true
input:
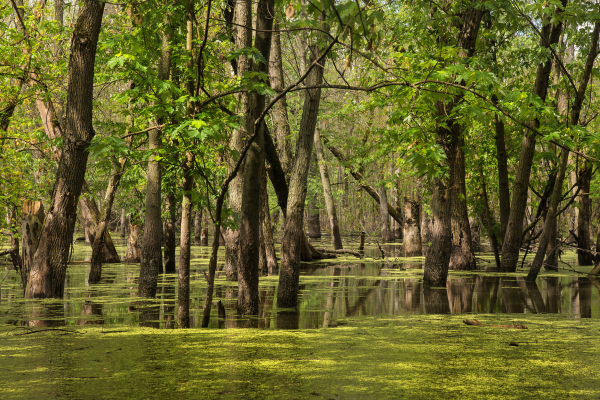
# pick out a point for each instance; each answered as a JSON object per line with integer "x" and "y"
{"x": 463, "y": 257}
{"x": 91, "y": 219}
{"x": 198, "y": 226}
{"x": 281, "y": 124}
{"x": 248, "y": 299}
{"x": 435, "y": 270}
{"x": 287, "y": 293}
{"x": 584, "y": 240}
{"x": 549, "y": 225}
{"x": 384, "y": 216}
{"x": 271, "y": 258}
{"x": 183, "y": 297}
{"x": 331, "y": 211}
{"x": 101, "y": 234}
{"x": 557, "y": 190}
{"x": 503, "y": 182}
{"x": 49, "y": 267}
{"x": 31, "y": 230}
{"x": 169, "y": 234}
{"x": 151, "y": 257}
{"x": 412, "y": 228}
{"x": 512, "y": 240}
{"x": 123, "y": 223}
{"x": 134, "y": 250}
{"x": 313, "y": 215}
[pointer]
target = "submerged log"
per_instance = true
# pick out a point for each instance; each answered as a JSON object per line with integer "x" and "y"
{"x": 338, "y": 251}
{"x": 477, "y": 323}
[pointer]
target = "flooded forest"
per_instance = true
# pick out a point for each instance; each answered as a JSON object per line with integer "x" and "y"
{"x": 336, "y": 199}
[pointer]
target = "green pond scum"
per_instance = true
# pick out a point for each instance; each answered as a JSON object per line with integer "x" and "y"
{"x": 413, "y": 357}
{"x": 367, "y": 330}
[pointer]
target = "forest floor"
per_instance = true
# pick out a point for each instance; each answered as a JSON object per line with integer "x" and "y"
{"x": 421, "y": 356}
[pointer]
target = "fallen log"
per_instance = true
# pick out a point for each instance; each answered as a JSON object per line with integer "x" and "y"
{"x": 477, "y": 323}
{"x": 340, "y": 251}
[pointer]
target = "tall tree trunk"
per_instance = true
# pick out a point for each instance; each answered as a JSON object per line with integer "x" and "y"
{"x": 557, "y": 191}
{"x": 331, "y": 211}
{"x": 503, "y": 182}
{"x": 169, "y": 234}
{"x": 48, "y": 272}
{"x": 550, "y": 218}
{"x": 248, "y": 299}
{"x": 412, "y": 228}
{"x": 198, "y": 226}
{"x": 313, "y": 216}
{"x": 183, "y": 297}
{"x": 151, "y": 258}
{"x": 271, "y": 258}
{"x": 384, "y": 216}
{"x": 101, "y": 229}
{"x": 281, "y": 128}
{"x": 512, "y": 241}
{"x": 287, "y": 293}
{"x": 435, "y": 270}
{"x": 463, "y": 257}
{"x": 123, "y": 223}
{"x": 584, "y": 240}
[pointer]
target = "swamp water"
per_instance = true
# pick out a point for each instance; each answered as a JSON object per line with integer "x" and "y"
{"x": 387, "y": 336}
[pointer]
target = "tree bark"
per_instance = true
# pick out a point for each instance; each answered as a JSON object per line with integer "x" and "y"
{"x": 287, "y": 293}
{"x": 198, "y": 226}
{"x": 91, "y": 219}
{"x": 435, "y": 270}
{"x": 31, "y": 230}
{"x": 384, "y": 216}
{"x": 463, "y": 257}
{"x": 329, "y": 203}
{"x": 134, "y": 250}
{"x": 169, "y": 228}
{"x": 248, "y": 298}
{"x": 101, "y": 235}
{"x": 151, "y": 257}
{"x": 281, "y": 124}
{"x": 512, "y": 240}
{"x": 123, "y": 223}
{"x": 270, "y": 255}
{"x": 584, "y": 240}
{"x": 503, "y": 182}
{"x": 549, "y": 226}
{"x": 313, "y": 215}
{"x": 412, "y": 228}
{"x": 183, "y": 297}
{"x": 47, "y": 276}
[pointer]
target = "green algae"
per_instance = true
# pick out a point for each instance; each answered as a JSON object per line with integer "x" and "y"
{"x": 403, "y": 357}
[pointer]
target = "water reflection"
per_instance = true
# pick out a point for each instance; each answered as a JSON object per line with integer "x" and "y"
{"x": 329, "y": 293}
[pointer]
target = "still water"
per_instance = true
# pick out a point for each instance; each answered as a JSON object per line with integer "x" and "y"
{"x": 330, "y": 291}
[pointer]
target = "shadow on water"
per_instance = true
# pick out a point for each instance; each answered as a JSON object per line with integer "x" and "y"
{"x": 329, "y": 292}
